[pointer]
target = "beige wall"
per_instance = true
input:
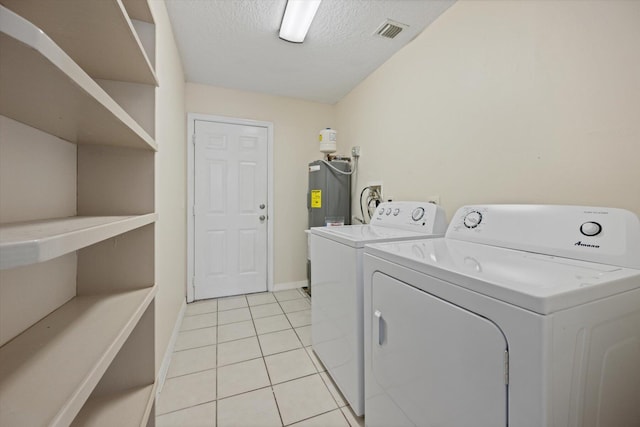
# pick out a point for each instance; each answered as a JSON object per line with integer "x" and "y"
{"x": 170, "y": 182}
{"x": 296, "y": 126}
{"x": 507, "y": 102}
{"x": 496, "y": 102}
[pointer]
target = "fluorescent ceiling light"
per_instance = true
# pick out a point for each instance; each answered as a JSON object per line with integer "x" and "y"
{"x": 297, "y": 19}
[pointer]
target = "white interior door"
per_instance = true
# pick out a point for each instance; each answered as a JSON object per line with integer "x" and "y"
{"x": 230, "y": 209}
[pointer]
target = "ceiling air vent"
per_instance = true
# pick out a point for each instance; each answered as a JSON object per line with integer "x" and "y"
{"x": 389, "y": 29}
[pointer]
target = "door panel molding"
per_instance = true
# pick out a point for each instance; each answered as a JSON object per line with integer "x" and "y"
{"x": 191, "y": 119}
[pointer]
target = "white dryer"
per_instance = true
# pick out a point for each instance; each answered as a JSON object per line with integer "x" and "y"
{"x": 521, "y": 316}
{"x": 336, "y": 279}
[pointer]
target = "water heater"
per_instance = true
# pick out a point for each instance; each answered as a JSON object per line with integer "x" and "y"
{"x": 329, "y": 197}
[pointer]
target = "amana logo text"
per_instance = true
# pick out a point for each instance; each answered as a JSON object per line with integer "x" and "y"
{"x": 579, "y": 243}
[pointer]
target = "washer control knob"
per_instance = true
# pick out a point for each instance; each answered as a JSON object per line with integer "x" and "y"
{"x": 590, "y": 228}
{"x": 380, "y": 211}
{"x": 417, "y": 214}
{"x": 388, "y": 211}
{"x": 396, "y": 211}
{"x": 472, "y": 219}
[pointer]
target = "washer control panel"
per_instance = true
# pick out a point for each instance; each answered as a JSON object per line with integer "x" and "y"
{"x": 417, "y": 216}
{"x": 605, "y": 235}
{"x": 472, "y": 219}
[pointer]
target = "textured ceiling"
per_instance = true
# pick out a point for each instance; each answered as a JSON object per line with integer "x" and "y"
{"x": 235, "y": 44}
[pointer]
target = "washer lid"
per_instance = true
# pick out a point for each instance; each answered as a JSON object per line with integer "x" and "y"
{"x": 358, "y": 235}
{"x": 540, "y": 283}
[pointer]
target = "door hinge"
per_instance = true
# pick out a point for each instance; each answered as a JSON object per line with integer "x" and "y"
{"x": 193, "y": 210}
{"x": 193, "y": 139}
{"x": 506, "y": 367}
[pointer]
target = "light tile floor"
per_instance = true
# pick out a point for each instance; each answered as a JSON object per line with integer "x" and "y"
{"x": 247, "y": 361}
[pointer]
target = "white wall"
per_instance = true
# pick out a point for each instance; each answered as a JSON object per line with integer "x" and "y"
{"x": 170, "y": 182}
{"x": 507, "y": 102}
{"x": 296, "y": 127}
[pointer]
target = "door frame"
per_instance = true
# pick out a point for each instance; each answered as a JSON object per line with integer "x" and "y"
{"x": 191, "y": 119}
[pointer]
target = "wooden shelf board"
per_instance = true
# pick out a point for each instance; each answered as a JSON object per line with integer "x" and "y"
{"x": 97, "y": 34}
{"x": 139, "y": 9}
{"x": 42, "y": 87}
{"x": 131, "y": 407}
{"x": 49, "y": 371}
{"x": 24, "y": 243}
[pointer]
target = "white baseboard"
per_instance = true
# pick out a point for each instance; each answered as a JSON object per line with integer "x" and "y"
{"x": 289, "y": 285}
{"x": 166, "y": 360}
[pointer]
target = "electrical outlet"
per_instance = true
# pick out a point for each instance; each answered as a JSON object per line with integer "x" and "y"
{"x": 355, "y": 151}
{"x": 376, "y": 189}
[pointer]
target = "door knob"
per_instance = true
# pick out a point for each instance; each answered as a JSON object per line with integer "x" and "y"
{"x": 262, "y": 217}
{"x": 262, "y": 206}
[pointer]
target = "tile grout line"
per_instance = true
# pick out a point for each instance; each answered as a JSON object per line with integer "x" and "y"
{"x": 197, "y": 329}
{"x": 178, "y": 376}
{"x": 259, "y": 344}
{"x": 287, "y": 317}
{"x": 264, "y": 362}
{"x": 244, "y": 392}
{"x": 197, "y": 346}
{"x": 271, "y": 385}
{"x": 188, "y": 407}
{"x": 196, "y": 372}
{"x": 277, "y": 330}
{"x": 268, "y": 355}
{"x": 217, "y": 372}
{"x": 318, "y": 415}
{"x": 294, "y": 331}
{"x": 319, "y": 373}
{"x": 335, "y": 386}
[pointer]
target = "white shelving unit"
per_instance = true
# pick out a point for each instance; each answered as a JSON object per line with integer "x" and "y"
{"x": 138, "y": 9}
{"x": 44, "y": 88}
{"x": 25, "y": 243}
{"x": 50, "y": 370}
{"x": 77, "y": 292}
{"x": 103, "y": 23}
{"x": 117, "y": 408}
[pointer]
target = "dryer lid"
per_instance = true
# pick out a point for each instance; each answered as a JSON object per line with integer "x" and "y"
{"x": 540, "y": 283}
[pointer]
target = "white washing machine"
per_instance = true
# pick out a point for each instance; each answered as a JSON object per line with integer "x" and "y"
{"x": 521, "y": 316}
{"x": 336, "y": 281}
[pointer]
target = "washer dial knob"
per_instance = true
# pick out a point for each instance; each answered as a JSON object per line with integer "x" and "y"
{"x": 417, "y": 214}
{"x": 396, "y": 211}
{"x": 380, "y": 211}
{"x": 472, "y": 219}
{"x": 388, "y": 211}
{"x": 590, "y": 228}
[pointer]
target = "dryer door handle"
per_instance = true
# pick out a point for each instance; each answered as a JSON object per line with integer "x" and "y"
{"x": 378, "y": 314}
